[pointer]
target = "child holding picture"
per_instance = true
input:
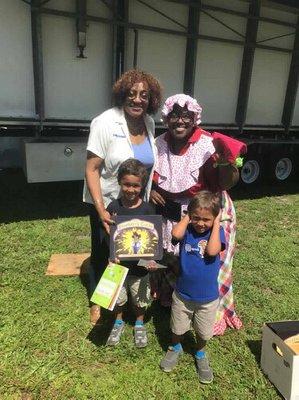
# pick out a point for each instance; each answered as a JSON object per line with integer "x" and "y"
{"x": 196, "y": 296}
{"x": 132, "y": 178}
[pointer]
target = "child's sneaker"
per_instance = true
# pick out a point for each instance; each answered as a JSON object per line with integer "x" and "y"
{"x": 170, "y": 359}
{"x": 115, "y": 334}
{"x": 204, "y": 371}
{"x": 140, "y": 336}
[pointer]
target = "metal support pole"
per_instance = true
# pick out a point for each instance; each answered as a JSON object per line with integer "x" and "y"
{"x": 191, "y": 49}
{"x": 135, "y": 57}
{"x": 292, "y": 87}
{"x": 247, "y": 63}
{"x": 290, "y": 3}
{"x": 81, "y": 26}
{"x": 36, "y": 28}
{"x": 121, "y": 14}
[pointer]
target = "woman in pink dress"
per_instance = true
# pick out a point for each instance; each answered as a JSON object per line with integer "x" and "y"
{"x": 189, "y": 160}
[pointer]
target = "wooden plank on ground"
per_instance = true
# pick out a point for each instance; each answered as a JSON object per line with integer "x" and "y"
{"x": 67, "y": 264}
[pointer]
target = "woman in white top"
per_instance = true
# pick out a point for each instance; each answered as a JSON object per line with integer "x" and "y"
{"x": 125, "y": 131}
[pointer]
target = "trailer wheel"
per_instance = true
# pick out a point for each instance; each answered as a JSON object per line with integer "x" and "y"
{"x": 251, "y": 171}
{"x": 283, "y": 168}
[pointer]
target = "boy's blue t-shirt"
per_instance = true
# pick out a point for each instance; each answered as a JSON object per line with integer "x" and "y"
{"x": 198, "y": 279}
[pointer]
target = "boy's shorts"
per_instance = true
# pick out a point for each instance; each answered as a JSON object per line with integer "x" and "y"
{"x": 203, "y": 315}
{"x": 139, "y": 289}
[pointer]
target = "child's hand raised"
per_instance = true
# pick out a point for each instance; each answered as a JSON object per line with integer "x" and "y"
{"x": 218, "y": 218}
{"x": 115, "y": 261}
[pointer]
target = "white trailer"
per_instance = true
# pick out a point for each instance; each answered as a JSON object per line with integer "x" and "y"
{"x": 239, "y": 58}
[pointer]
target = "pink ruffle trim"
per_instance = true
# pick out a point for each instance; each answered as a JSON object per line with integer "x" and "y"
{"x": 182, "y": 100}
{"x": 231, "y": 322}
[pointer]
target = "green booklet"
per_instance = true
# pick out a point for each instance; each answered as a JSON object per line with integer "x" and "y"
{"x": 109, "y": 286}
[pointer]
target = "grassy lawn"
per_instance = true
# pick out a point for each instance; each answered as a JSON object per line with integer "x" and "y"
{"x": 48, "y": 349}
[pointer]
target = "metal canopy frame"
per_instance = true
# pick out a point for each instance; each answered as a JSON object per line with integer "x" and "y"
{"x": 37, "y": 53}
{"x": 130, "y": 25}
{"x": 247, "y": 64}
{"x": 81, "y": 24}
{"x": 292, "y": 86}
{"x": 289, "y": 3}
{"x": 121, "y": 25}
{"x": 120, "y": 30}
{"x": 191, "y": 50}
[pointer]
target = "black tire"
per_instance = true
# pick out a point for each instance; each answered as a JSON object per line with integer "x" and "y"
{"x": 251, "y": 172}
{"x": 281, "y": 168}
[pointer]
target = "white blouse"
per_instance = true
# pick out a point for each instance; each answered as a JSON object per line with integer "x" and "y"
{"x": 109, "y": 139}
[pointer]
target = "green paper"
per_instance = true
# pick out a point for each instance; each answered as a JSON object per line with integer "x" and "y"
{"x": 109, "y": 286}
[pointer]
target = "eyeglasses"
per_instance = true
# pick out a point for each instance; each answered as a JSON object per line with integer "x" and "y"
{"x": 185, "y": 117}
{"x": 144, "y": 96}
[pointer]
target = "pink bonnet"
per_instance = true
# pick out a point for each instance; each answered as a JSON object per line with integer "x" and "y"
{"x": 182, "y": 100}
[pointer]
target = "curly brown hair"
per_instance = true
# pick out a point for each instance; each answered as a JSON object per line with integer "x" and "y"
{"x": 124, "y": 84}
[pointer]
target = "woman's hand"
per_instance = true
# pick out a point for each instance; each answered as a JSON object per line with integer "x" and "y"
{"x": 219, "y": 154}
{"x": 220, "y": 159}
{"x": 106, "y": 219}
{"x": 228, "y": 174}
{"x": 156, "y": 198}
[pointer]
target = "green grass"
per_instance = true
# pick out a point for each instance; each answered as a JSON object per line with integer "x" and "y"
{"x": 48, "y": 349}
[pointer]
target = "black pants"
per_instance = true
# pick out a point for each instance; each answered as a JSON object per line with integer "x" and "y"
{"x": 99, "y": 249}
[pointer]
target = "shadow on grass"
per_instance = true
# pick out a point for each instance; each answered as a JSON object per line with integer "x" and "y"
{"x": 84, "y": 277}
{"x": 161, "y": 320}
{"x": 189, "y": 343}
{"x": 159, "y": 315}
{"x": 100, "y": 332}
{"x": 260, "y": 190}
{"x": 22, "y": 201}
{"x": 255, "y": 347}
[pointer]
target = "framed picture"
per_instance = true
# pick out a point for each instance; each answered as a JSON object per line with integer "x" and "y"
{"x": 136, "y": 237}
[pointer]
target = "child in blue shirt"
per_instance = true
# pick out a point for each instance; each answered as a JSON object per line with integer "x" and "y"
{"x": 196, "y": 296}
